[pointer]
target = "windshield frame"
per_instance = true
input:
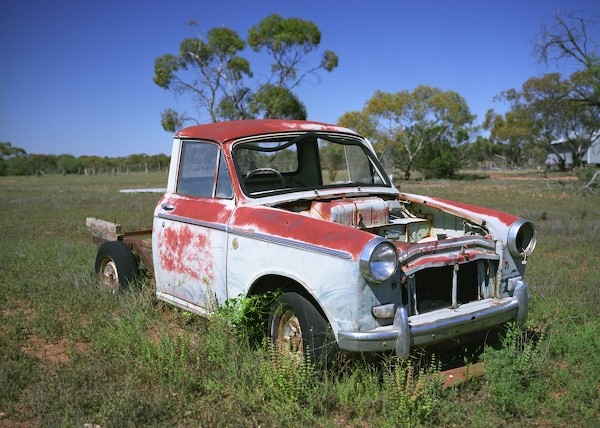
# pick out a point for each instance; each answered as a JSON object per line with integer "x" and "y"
{"x": 307, "y": 141}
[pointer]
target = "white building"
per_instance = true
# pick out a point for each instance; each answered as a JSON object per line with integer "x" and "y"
{"x": 591, "y": 156}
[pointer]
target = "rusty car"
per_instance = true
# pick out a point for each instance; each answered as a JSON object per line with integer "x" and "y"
{"x": 306, "y": 209}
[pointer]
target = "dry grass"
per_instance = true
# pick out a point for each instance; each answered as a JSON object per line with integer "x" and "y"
{"x": 71, "y": 355}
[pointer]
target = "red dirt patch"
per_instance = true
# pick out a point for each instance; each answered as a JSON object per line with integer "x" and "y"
{"x": 19, "y": 308}
{"x": 533, "y": 177}
{"x": 54, "y": 352}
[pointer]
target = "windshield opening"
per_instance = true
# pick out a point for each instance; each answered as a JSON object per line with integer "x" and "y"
{"x": 286, "y": 163}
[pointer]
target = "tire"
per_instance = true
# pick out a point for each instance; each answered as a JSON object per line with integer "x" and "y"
{"x": 116, "y": 266}
{"x": 297, "y": 327}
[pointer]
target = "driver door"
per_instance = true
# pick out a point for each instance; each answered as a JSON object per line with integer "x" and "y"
{"x": 190, "y": 231}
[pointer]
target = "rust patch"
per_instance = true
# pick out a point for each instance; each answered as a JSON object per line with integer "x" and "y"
{"x": 184, "y": 251}
{"x": 299, "y": 228}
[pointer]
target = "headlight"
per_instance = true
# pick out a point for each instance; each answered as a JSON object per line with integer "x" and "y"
{"x": 522, "y": 238}
{"x": 378, "y": 260}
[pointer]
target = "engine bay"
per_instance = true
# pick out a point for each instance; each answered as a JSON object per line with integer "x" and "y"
{"x": 391, "y": 219}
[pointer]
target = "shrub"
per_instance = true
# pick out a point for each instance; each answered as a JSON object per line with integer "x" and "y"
{"x": 515, "y": 372}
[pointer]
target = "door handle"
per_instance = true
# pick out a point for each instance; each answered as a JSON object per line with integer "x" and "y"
{"x": 167, "y": 207}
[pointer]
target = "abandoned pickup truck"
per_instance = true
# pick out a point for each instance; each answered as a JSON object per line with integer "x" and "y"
{"x": 306, "y": 209}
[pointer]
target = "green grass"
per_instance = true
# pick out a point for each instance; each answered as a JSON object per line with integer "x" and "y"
{"x": 71, "y": 355}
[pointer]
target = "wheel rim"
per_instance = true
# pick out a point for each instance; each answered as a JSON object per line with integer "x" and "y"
{"x": 109, "y": 276}
{"x": 289, "y": 333}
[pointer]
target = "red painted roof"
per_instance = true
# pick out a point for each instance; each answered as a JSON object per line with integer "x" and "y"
{"x": 224, "y": 131}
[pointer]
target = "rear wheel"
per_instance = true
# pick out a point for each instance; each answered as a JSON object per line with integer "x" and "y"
{"x": 296, "y": 327}
{"x": 116, "y": 266}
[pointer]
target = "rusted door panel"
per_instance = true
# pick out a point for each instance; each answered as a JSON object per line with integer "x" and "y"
{"x": 190, "y": 249}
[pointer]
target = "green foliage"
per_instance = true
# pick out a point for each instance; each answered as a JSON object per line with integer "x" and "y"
{"x": 7, "y": 151}
{"x": 543, "y": 112}
{"x": 409, "y": 122}
{"x": 226, "y": 43}
{"x": 332, "y": 158}
{"x": 413, "y": 393}
{"x": 22, "y": 163}
{"x": 164, "y": 69}
{"x": 288, "y": 375}
{"x": 12, "y": 159}
{"x": 551, "y": 108}
{"x": 271, "y": 101}
{"x": 220, "y": 71}
{"x": 438, "y": 160}
{"x": 171, "y": 120}
{"x": 213, "y": 72}
{"x": 585, "y": 175}
{"x": 289, "y": 41}
{"x": 330, "y": 60}
{"x": 281, "y": 35}
{"x": 516, "y": 372}
{"x": 482, "y": 150}
{"x": 248, "y": 316}
{"x": 361, "y": 122}
{"x": 569, "y": 39}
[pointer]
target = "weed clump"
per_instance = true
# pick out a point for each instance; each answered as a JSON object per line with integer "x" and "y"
{"x": 412, "y": 392}
{"x": 515, "y": 372}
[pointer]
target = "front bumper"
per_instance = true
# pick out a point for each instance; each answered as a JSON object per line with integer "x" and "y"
{"x": 437, "y": 326}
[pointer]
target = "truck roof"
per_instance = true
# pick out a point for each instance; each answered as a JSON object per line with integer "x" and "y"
{"x": 225, "y": 131}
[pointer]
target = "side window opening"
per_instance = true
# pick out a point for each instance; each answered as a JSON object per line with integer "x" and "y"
{"x": 203, "y": 172}
{"x": 224, "y": 189}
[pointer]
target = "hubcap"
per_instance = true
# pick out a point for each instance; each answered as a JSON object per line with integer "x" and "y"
{"x": 109, "y": 277}
{"x": 289, "y": 334}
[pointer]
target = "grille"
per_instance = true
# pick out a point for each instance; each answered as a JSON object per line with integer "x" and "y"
{"x": 434, "y": 287}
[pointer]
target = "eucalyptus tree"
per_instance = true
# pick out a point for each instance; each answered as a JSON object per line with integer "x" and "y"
{"x": 221, "y": 82}
{"x": 209, "y": 70}
{"x": 545, "y": 111}
{"x": 288, "y": 42}
{"x": 513, "y": 132}
{"x": 568, "y": 39}
{"x": 569, "y": 108}
{"x": 11, "y": 158}
{"x": 408, "y": 122}
{"x": 551, "y": 109}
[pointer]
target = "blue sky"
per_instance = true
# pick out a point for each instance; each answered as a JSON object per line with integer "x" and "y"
{"x": 76, "y": 75}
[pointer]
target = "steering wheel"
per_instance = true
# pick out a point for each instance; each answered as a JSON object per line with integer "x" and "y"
{"x": 267, "y": 170}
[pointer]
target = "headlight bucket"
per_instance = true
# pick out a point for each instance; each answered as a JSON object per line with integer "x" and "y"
{"x": 378, "y": 261}
{"x": 522, "y": 238}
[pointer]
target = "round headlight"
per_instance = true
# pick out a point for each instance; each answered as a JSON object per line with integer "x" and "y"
{"x": 522, "y": 238}
{"x": 378, "y": 260}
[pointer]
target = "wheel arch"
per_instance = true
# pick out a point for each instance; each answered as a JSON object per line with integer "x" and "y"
{"x": 274, "y": 282}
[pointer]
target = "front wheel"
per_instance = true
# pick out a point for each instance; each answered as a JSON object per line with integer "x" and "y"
{"x": 116, "y": 266}
{"x": 297, "y": 327}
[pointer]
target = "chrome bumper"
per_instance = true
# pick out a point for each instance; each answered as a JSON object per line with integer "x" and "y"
{"x": 437, "y": 326}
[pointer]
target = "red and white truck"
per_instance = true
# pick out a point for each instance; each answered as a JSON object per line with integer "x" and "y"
{"x": 306, "y": 209}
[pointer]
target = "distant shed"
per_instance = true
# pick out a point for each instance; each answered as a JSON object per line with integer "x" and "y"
{"x": 591, "y": 157}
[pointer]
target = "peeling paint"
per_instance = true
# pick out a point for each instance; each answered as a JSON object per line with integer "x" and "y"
{"x": 182, "y": 251}
{"x": 303, "y": 229}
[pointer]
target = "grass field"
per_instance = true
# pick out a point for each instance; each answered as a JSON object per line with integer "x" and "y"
{"x": 71, "y": 355}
